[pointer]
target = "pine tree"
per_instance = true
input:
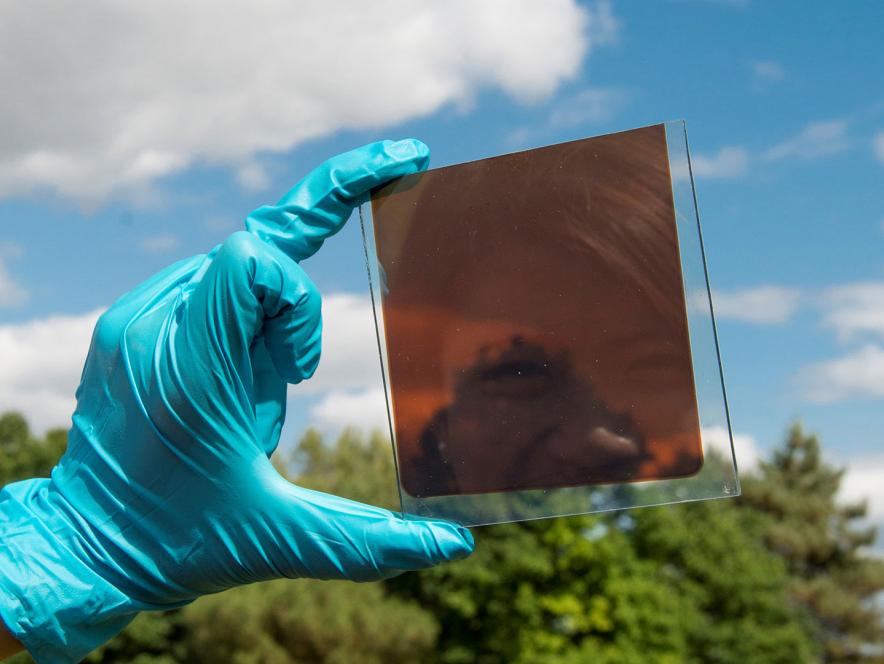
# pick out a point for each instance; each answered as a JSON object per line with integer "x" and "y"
{"x": 825, "y": 548}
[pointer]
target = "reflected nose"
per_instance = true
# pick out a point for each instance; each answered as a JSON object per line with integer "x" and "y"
{"x": 611, "y": 443}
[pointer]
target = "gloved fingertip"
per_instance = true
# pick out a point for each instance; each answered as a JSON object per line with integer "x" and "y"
{"x": 411, "y": 150}
{"x": 455, "y": 542}
{"x": 467, "y": 536}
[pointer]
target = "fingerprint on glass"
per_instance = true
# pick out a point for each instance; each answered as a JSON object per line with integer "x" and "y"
{"x": 535, "y": 324}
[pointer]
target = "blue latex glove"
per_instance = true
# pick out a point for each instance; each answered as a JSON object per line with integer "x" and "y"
{"x": 166, "y": 491}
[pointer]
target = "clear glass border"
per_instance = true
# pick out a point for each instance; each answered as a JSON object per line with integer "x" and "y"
{"x": 718, "y": 477}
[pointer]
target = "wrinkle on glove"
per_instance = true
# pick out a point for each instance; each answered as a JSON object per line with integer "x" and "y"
{"x": 166, "y": 491}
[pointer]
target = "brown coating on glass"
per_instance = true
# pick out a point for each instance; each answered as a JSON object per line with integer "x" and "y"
{"x": 535, "y": 320}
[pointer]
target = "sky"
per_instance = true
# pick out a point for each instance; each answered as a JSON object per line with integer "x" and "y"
{"x": 133, "y": 136}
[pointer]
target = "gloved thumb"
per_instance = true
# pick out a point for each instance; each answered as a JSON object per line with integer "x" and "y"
{"x": 320, "y": 535}
{"x": 398, "y": 544}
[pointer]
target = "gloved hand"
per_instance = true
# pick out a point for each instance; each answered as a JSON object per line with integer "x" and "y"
{"x": 166, "y": 491}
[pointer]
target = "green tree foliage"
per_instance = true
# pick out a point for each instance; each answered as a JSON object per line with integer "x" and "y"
{"x": 152, "y": 638}
{"x": 714, "y": 554}
{"x": 672, "y": 584}
{"x": 306, "y": 621}
{"x": 352, "y": 467}
{"x": 21, "y": 454}
{"x": 559, "y": 591}
{"x": 823, "y": 547}
{"x": 780, "y": 576}
{"x": 281, "y": 622}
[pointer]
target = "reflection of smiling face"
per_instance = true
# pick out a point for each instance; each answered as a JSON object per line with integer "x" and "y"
{"x": 574, "y": 248}
{"x": 521, "y": 417}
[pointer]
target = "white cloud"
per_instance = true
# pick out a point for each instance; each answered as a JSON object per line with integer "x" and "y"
{"x": 161, "y": 243}
{"x": 9, "y": 249}
{"x": 728, "y": 162}
{"x": 349, "y": 347}
{"x": 366, "y": 409}
{"x": 105, "y": 98}
{"x": 764, "y": 305}
{"x": 519, "y": 136}
{"x": 41, "y": 362}
{"x": 40, "y": 366}
{"x": 348, "y": 381}
{"x": 855, "y": 309}
{"x": 590, "y": 106}
{"x": 817, "y": 139}
{"x": 745, "y": 447}
{"x": 12, "y": 293}
{"x": 222, "y": 222}
{"x": 857, "y": 374}
{"x": 878, "y": 146}
{"x": 862, "y": 481}
{"x": 602, "y": 27}
{"x": 768, "y": 71}
{"x": 746, "y": 450}
{"x": 252, "y": 177}
{"x": 679, "y": 168}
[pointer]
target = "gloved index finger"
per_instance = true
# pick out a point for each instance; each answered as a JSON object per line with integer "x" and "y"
{"x": 318, "y": 205}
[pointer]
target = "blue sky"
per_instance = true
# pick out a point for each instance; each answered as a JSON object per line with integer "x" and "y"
{"x": 785, "y": 110}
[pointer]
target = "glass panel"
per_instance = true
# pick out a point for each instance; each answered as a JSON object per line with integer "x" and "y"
{"x": 539, "y": 353}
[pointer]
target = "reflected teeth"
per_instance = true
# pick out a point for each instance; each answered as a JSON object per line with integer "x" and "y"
{"x": 611, "y": 442}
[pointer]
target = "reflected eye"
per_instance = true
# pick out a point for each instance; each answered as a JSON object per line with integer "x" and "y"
{"x": 519, "y": 378}
{"x": 517, "y": 369}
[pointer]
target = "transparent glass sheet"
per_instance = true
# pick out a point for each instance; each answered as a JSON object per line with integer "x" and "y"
{"x": 546, "y": 333}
